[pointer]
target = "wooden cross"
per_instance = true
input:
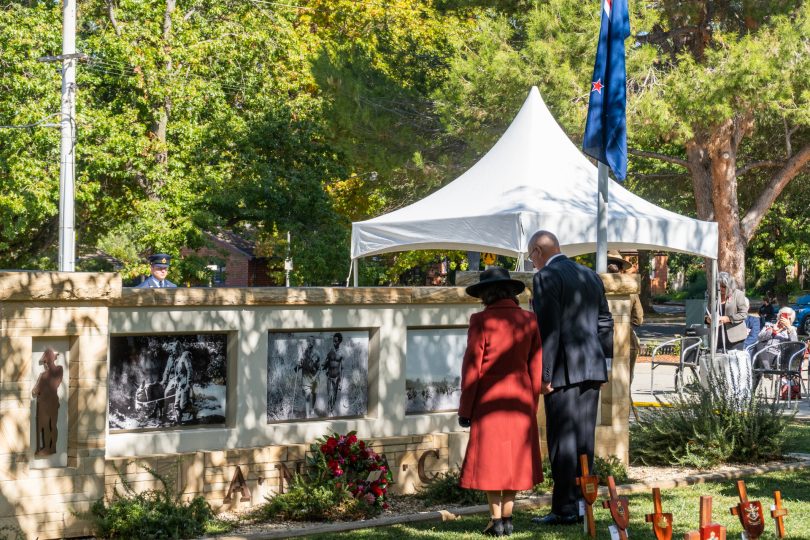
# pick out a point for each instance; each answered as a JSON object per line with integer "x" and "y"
{"x": 778, "y": 513}
{"x": 750, "y": 513}
{"x": 589, "y": 485}
{"x": 662, "y": 523}
{"x": 707, "y": 529}
{"x": 619, "y": 510}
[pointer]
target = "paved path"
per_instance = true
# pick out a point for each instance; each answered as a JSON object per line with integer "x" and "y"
{"x": 665, "y": 387}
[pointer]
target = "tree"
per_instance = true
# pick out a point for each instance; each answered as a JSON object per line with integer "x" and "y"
{"x": 710, "y": 86}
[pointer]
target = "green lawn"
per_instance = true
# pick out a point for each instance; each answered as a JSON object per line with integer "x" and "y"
{"x": 683, "y": 503}
{"x": 798, "y": 439}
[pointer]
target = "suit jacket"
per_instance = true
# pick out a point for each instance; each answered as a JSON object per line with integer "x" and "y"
{"x": 576, "y": 326}
{"x": 152, "y": 283}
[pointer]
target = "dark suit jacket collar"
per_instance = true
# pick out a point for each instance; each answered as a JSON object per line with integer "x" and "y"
{"x": 557, "y": 259}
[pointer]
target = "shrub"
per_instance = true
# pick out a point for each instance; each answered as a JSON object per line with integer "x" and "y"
{"x": 308, "y": 501}
{"x": 344, "y": 479}
{"x": 709, "y": 426}
{"x": 445, "y": 489}
{"x": 609, "y": 466}
{"x": 150, "y": 514}
{"x": 11, "y": 532}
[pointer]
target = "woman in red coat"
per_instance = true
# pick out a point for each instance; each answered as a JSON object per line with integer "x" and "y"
{"x": 500, "y": 385}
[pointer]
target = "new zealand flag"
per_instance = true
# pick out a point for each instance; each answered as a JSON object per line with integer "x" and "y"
{"x": 606, "y": 129}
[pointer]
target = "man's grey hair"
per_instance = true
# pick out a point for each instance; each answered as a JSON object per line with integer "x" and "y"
{"x": 725, "y": 279}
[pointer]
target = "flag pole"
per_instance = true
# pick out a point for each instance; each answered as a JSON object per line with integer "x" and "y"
{"x": 602, "y": 219}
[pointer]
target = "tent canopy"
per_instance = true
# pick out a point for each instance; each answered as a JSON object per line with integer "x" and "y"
{"x": 533, "y": 178}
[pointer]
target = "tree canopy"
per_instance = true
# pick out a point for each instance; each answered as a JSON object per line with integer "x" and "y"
{"x": 268, "y": 117}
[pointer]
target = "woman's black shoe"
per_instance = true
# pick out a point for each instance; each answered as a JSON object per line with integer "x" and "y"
{"x": 494, "y": 528}
{"x": 508, "y": 528}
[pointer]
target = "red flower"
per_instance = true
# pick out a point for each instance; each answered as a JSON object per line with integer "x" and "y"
{"x": 361, "y": 444}
{"x": 324, "y": 448}
{"x": 331, "y": 443}
{"x": 351, "y": 439}
{"x": 376, "y": 491}
{"x": 385, "y": 506}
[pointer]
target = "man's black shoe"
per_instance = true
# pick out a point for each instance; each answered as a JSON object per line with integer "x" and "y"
{"x": 553, "y": 519}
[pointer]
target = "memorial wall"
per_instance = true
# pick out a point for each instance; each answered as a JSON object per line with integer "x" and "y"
{"x": 223, "y": 389}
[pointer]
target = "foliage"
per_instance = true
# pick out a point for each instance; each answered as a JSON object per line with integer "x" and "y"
{"x": 610, "y": 466}
{"x": 445, "y": 489}
{"x": 708, "y": 426}
{"x": 548, "y": 482}
{"x": 336, "y": 485}
{"x": 273, "y": 118}
{"x": 153, "y": 514}
{"x": 308, "y": 501}
{"x": 11, "y": 532}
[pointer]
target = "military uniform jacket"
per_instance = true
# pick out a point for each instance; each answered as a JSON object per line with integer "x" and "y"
{"x": 152, "y": 283}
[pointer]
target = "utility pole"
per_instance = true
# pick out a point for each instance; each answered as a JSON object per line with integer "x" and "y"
{"x": 67, "y": 145}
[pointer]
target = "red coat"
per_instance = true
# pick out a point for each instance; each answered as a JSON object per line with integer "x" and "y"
{"x": 500, "y": 387}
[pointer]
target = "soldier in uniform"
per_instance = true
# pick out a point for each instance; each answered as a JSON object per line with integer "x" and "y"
{"x": 310, "y": 365}
{"x": 159, "y": 267}
{"x": 334, "y": 370}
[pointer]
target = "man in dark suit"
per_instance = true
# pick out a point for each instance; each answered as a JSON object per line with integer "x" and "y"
{"x": 576, "y": 328}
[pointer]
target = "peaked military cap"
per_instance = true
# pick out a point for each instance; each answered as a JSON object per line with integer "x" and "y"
{"x": 160, "y": 259}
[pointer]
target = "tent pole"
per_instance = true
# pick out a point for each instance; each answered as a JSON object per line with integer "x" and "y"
{"x": 713, "y": 309}
{"x": 601, "y": 220}
{"x": 355, "y": 272}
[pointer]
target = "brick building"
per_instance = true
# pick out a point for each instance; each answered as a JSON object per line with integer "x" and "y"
{"x": 235, "y": 262}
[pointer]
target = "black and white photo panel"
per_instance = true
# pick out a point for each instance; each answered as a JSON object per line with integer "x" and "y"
{"x": 433, "y": 369}
{"x": 317, "y": 375}
{"x": 164, "y": 381}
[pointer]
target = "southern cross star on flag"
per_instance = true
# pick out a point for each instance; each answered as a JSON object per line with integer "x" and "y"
{"x": 605, "y": 136}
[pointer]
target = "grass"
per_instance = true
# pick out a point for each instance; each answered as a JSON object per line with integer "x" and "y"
{"x": 683, "y": 503}
{"x": 798, "y": 439}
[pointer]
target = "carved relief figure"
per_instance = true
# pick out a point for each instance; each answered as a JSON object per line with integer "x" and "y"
{"x": 45, "y": 391}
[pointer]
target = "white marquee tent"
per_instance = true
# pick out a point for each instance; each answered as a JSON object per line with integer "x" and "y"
{"x": 533, "y": 178}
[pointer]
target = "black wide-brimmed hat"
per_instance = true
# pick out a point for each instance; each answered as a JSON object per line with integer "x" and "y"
{"x": 491, "y": 276}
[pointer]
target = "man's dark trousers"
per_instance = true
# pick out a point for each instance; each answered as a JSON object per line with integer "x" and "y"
{"x": 570, "y": 424}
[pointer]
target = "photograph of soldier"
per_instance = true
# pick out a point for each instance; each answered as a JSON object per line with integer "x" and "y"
{"x": 309, "y": 367}
{"x": 314, "y": 375}
{"x": 47, "y": 399}
{"x": 167, "y": 380}
{"x": 334, "y": 370}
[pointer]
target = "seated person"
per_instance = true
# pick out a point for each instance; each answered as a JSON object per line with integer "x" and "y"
{"x": 752, "y": 322}
{"x": 773, "y": 334}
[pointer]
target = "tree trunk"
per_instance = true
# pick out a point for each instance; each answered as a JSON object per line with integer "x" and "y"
{"x": 164, "y": 111}
{"x": 780, "y": 287}
{"x": 644, "y": 272}
{"x": 722, "y": 150}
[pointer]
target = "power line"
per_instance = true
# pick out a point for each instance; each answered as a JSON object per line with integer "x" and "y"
{"x": 41, "y": 122}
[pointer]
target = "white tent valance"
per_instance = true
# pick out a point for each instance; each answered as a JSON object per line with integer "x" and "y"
{"x": 533, "y": 178}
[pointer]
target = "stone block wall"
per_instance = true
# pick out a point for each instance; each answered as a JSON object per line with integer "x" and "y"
{"x": 76, "y": 313}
